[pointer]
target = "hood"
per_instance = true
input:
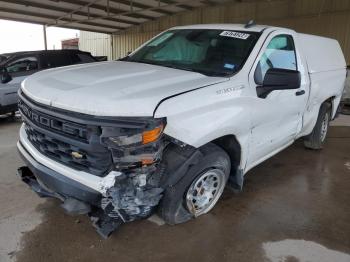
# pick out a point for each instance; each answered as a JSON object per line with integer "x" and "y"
{"x": 111, "y": 88}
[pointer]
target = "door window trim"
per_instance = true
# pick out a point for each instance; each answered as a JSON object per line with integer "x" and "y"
{"x": 22, "y": 56}
{"x": 263, "y": 49}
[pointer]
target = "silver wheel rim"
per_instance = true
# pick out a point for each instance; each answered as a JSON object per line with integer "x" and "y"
{"x": 324, "y": 127}
{"x": 205, "y": 191}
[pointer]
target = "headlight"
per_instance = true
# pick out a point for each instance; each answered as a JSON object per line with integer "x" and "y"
{"x": 136, "y": 145}
{"x": 144, "y": 137}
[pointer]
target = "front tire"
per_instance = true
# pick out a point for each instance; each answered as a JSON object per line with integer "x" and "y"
{"x": 199, "y": 189}
{"x": 318, "y": 135}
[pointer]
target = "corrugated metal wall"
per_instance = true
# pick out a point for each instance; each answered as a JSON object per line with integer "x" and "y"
{"x": 96, "y": 43}
{"x": 322, "y": 17}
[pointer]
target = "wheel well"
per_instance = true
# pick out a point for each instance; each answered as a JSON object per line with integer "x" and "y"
{"x": 231, "y": 146}
{"x": 330, "y": 102}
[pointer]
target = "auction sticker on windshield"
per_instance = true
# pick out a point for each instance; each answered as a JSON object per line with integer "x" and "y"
{"x": 235, "y": 34}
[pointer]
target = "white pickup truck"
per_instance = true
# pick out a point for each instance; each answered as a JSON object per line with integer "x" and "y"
{"x": 169, "y": 126}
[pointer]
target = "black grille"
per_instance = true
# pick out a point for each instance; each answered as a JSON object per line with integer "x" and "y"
{"x": 55, "y": 124}
{"x": 77, "y": 151}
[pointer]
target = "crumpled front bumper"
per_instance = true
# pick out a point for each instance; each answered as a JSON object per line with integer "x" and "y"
{"x": 109, "y": 200}
{"x": 49, "y": 183}
{"x": 77, "y": 199}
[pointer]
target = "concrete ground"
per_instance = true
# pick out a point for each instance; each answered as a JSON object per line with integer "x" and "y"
{"x": 295, "y": 207}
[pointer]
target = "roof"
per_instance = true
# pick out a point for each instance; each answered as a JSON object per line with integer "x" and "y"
{"x": 237, "y": 27}
{"x": 49, "y": 51}
{"x": 104, "y": 16}
{"x": 39, "y": 52}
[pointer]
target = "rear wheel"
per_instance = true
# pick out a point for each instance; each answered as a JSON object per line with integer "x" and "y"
{"x": 200, "y": 188}
{"x": 318, "y": 135}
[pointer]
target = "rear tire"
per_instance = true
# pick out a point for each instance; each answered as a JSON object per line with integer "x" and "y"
{"x": 318, "y": 135}
{"x": 199, "y": 189}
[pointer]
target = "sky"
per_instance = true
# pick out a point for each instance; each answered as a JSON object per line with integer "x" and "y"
{"x": 17, "y": 36}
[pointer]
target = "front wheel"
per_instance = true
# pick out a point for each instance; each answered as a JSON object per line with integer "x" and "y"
{"x": 205, "y": 191}
{"x": 200, "y": 188}
{"x": 318, "y": 135}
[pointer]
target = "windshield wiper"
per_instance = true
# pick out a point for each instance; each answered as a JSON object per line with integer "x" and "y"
{"x": 200, "y": 71}
{"x": 203, "y": 71}
{"x": 144, "y": 62}
{"x": 210, "y": 73}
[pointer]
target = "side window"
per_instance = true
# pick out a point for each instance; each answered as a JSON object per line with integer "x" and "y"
{"x": 22, "y": 64}
{"x": 280, "y": 53}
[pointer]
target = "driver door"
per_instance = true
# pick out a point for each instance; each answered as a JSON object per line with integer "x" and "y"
{"x": 276, "y": 118}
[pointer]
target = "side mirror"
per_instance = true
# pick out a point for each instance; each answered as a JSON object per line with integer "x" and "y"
{"x": 279, "y": 79}
{"x": 5, "y": 76}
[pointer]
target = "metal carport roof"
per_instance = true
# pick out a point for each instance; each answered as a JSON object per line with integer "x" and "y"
{"x": 104, "y": 16}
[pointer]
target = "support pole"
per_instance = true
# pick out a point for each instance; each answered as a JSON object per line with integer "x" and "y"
{"x": 112, "y": 47}
{"x": 45, "y": 38}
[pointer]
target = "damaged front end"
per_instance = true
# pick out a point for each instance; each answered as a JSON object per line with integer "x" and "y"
{"x": 133, "y": 189}
{"x": 132, "y": 196}
{"x": 124, "y": 154}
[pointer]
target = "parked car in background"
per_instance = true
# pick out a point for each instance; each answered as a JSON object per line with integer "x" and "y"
{"x": 175, "y": 121}
{"x": 20, "y": 65}
{"x": 2, "y": 58}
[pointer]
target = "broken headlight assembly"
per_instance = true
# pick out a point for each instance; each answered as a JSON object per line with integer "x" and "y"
{"x": 136, "y": 145}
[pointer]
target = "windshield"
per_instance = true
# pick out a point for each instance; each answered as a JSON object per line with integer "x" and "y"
{"x": 210, "y": 52}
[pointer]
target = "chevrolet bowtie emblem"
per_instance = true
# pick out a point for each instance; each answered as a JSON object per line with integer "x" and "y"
{"x": 77, "y": 155}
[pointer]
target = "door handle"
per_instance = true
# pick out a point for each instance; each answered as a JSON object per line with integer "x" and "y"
{"x": 300, "y": 93}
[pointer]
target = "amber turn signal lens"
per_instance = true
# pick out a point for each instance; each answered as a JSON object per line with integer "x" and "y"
{"x": 152, "y": 135}
{"x": 146, "y": 162}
